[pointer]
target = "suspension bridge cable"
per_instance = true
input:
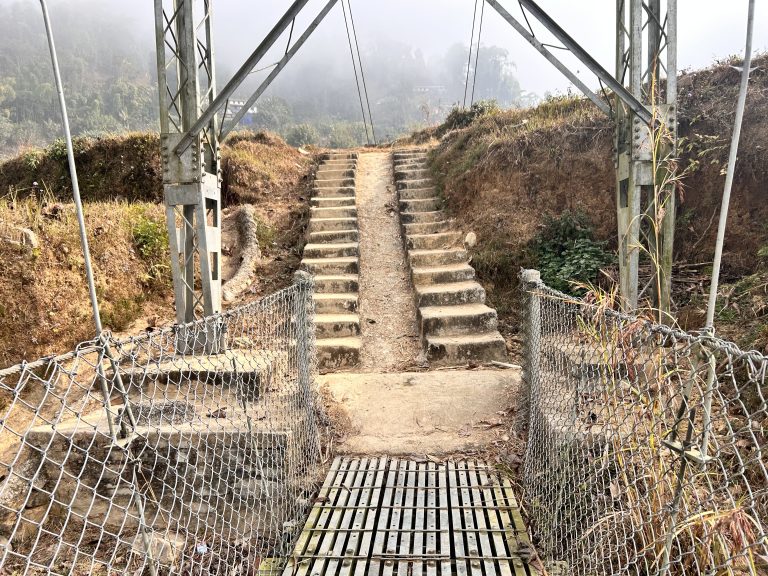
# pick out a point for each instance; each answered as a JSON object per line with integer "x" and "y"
{"x": 477, "y": 52}
{"x": 354, "y": 67}
{"x": 469, "y": 58}
{"x": 362, "y": 71}
{"x": 290, "y": 36}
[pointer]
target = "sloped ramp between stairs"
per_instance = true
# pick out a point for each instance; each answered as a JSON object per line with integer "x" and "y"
{"x": 388, "y": 516}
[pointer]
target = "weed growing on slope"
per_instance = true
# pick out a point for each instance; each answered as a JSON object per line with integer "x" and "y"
{"x": 151, "y": 240}
{"x": 567, "y": 253}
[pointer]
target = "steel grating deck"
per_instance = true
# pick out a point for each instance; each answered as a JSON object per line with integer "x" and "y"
{"x": 388, "y": 516}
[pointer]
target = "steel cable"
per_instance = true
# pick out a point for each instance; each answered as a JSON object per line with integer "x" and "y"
{"x": 354, "y": 67}
{"x": 469, "y": 58}
{"x": 477, "y": 52}
{"x": 362, "y": 71}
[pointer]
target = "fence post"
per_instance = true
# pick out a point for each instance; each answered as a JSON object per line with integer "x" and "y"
{"x": 305, "y": 321}
{"x": 529, "y": 281}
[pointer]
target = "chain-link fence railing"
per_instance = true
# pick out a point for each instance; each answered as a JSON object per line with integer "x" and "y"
{"x": 125, "y": 457}
{"x": 647, "y": 445}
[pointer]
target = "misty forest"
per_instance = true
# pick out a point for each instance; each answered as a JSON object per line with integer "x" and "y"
{"x": 111, "y": 85}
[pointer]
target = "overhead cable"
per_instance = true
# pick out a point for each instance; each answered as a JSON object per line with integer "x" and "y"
{"x": 362, "y": 71}
{"x": 354, "y": 67}
{"x": 469, "y": 58}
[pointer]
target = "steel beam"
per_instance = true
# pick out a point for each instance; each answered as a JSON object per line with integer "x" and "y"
{"x": 226, "y": 93}
{"x": 277, "y": 69}
{"x": 585, "y": 58}
{"x": 599, "y": 102}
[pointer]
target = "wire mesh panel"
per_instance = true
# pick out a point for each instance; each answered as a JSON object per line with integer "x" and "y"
{"x": 123, "y": 456}
{"x": 647, "y": 445}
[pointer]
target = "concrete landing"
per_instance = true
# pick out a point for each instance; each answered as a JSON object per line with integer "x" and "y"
{"x": 440, "y": 412}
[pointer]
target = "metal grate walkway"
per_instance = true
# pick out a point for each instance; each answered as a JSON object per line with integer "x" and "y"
{"x": 387, "y": 516}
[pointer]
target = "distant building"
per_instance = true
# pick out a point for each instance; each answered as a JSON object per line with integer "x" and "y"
{"x": 234, "y": 106}
{"x": 430, "y": 90}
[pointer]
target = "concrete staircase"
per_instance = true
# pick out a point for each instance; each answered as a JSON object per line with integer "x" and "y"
{"x": 456, "y": 326}
{"x": 331, "y": 256}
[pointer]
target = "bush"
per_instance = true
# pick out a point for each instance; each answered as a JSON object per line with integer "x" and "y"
{"x": 567, "y": 252}
{"x": 463, "y": 117}
{"x": 151, "y": 240}
{"x": 303, "y": 135}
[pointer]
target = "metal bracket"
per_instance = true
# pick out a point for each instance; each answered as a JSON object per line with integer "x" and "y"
{"x": 180, "y": 168}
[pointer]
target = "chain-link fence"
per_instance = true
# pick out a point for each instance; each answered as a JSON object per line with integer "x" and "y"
{"x": 647, "y": 445}
{"x": 125, "y": 457}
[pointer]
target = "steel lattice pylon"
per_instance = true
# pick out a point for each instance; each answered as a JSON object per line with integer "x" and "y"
{"x": 646, "y": 64}
{"x": 191, "y": 178}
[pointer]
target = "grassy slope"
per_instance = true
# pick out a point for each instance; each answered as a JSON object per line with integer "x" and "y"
{"x": 506, "y": 170}
{"x": 43, "y": 298}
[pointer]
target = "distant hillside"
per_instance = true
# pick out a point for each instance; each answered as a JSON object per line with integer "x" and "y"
{"x": 109, "y": 84}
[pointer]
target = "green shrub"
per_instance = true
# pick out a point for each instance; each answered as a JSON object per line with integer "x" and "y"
{"x": 463, "y": 117}
{"x": 303, "y": 135}
{"x": 151, "y": 240}
{"x": 567, "y": 252}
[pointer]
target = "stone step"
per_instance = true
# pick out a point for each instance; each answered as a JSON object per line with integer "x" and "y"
{"x": 331, "y": 250}
{"x": 332, "y": 224}
{"x": 412, "y": 174}
{"x": 410, "y": 161}
{"x": 437, "y": 241}
{"x": 333, "y": 192}
{"x": 409, "y": 154}
{"x": 333, "y": 202}
{"x": 415, "y": 228}
{"x": 326, "y": 212}
{"x": 427, "y": 258}
{"x": 442, "y": 274}
{"x": 331, "y": 182}
{"x": 351, "y": 162}
{"x": 336, "y": 353}
{"x": 340, "y": 156}
{"x": 335, "y": 303}
{"x": 422, "y": 217}
{"x": 331, "y": 173}
{"x": 336, "y": 165}
{"x": 411, "y": 164}
{"x": 449, "y": 294}
{"x": 334, "y": 236}
{"x": 421, "y": 205}
{"x": 336, "y": 325}
{"x": 337, "y": 283}
{"x": 414, "y": 183}
{"x": 464, "y": 349}
{"x": 464, "y": 319}
{"x": 331, "y": 266}
{"x": 418, "y": 193}
{"x": 420, "y": 157}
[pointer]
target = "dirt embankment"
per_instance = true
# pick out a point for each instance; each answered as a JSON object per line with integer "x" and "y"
{"x": 44, "y": 306}
{"x": 504, "y": 172}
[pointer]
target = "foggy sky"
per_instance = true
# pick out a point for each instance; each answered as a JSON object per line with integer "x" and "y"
{"x": 707, "y": 30}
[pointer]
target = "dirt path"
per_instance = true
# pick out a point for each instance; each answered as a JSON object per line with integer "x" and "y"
{"x": 387, "y": 309}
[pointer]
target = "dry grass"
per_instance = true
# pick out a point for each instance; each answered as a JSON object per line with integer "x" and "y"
{"x": 44, "y": 306}
{"x": 505, "y": 172}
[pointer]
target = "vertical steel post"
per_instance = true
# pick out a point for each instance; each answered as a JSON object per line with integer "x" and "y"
{"x": 191, "y": 179}
{"x": 645, "y": 28}
{"x": 72, "y": 169}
